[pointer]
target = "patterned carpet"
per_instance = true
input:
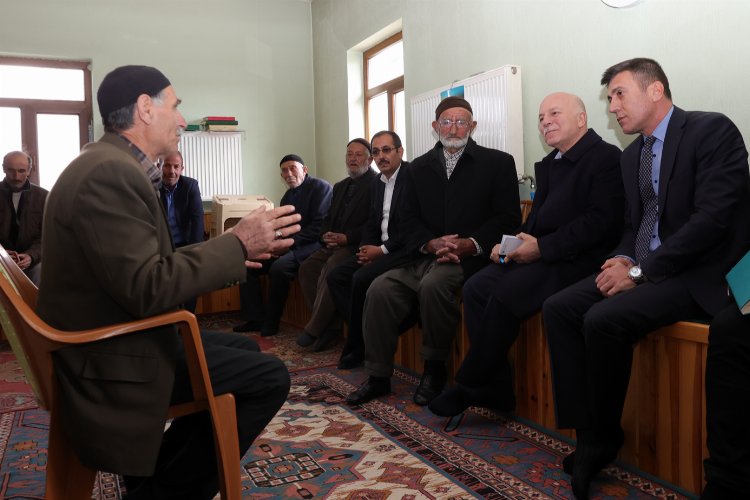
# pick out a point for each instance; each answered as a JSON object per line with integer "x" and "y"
{"x": 319, "y": 447}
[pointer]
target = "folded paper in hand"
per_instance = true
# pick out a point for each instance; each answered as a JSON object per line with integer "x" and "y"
{"x": 738, "y": 279}
{"x": 508, "y": 244}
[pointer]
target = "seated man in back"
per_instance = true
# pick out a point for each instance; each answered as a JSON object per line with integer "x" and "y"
{"x": 21, "y": 210}
{"x": 340, "y": 235}
{"x": 575, "y": 220}
{"x": 312, "y": 199}
{"x": 381, "y": 248}
{"x": 181, "y": 198}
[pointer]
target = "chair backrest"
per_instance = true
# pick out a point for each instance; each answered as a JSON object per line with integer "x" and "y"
{"x": 17, "y": 299}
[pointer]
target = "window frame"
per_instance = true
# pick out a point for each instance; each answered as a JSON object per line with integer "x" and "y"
{"x": 31, "y": 107}
{"x": 391, "y": 87}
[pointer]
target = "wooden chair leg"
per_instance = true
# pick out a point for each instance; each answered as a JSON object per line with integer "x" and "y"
{"x": 227, "y": 447}
{"x": 67, "y": 478}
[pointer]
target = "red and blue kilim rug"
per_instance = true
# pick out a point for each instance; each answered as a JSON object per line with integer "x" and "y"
{"x": 319, "y": 447}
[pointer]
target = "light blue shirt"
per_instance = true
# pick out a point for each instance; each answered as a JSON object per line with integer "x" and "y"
{"x": 660, "y": 132}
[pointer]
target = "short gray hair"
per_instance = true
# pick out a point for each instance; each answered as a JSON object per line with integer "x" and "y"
{"x": 122, "y": 119}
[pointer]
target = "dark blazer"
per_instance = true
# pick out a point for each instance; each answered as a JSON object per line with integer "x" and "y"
{"x": 577, "y": 218}
{"x": 312, "y": 200}
{"x": 704, "y": 202}
{"x": 28, "y": 238}
{"x": 109, "y": 258}
{"x": 188, "y": 208}
{"x": 355, "y": 213}
{"x": 397, "y": 235}
{"x": 480, "y": 199}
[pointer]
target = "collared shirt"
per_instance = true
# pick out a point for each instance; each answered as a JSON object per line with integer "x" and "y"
{"x": 390, "y": 185}
{"x": 660, "y": 132}
{"x": 451, "y": 160}
{"x": 174, "y": 227}
{"x": 152, "y": 170}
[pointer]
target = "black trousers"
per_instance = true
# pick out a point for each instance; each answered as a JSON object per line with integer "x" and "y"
{"x": 348, "y": 284}
{"x": 186, "y": 467}
{"x": 280, "y": 272}
{"x": 728, "y": 406}
{"x": 591, "y": 342}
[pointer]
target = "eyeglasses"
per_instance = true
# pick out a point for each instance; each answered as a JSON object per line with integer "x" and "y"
{"x": 460, "y": 123}
{"x": 385, "y": 150}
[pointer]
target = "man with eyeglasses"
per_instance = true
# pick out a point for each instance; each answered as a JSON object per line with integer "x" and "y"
{"x": 460, "y": 198}
{"x": 339, "y": 237}
{"x": 381, "y": 248}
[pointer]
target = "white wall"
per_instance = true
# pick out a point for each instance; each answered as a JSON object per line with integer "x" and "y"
{"x": 280, "y": 66}
{"x": 248, "y": 58}
{"x": 560, "y": 45}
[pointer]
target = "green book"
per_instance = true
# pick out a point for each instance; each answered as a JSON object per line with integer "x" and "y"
{"x": 739, "y": 283}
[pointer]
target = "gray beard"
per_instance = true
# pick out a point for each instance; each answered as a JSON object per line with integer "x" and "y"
{"x": 359, "y": 172}
{"x": 454, "y": 143}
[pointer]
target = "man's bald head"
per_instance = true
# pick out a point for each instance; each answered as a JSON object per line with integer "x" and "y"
{"x": 562, "y": 120}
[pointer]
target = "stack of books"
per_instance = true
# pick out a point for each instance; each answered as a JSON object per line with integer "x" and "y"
{"x": 220, "y": 124}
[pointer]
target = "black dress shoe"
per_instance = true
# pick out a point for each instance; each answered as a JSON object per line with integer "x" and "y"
{"x": 327, "y": 340}
{"x": 569, "y": 462}
{"x": 452, "y": 402}
{"x": 593, "y": 453}
{"x": 269, "y": 331}
{"x": 248, "y": 326}
{"x": 372, "y": 388}
{"x": 430, "y": 387}
{"x": 351, "y": 360}
{"x": 305, "y": 339}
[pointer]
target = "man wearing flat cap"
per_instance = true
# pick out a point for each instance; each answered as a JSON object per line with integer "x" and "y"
{"x": 461, "y": 198}
{"x": 109, "y": 258}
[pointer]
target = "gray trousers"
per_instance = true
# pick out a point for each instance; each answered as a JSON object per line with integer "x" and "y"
{"x": 312, "y": 279}
{"x": 424, "y": 283}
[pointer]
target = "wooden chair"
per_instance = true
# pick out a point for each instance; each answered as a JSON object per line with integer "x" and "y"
{"x": 33, "y": 342}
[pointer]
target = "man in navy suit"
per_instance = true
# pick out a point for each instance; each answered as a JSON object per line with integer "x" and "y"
{"x": 686, "y": 186}
{"x": 182, "y": 202}
{"x": 575, "y": 220}
{"x": 381, "y": 248}
{"x": 312, "y": 199}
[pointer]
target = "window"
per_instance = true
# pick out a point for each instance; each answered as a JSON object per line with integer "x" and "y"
{"x": 45, "y": 110}
{"x": 384, "y": 87}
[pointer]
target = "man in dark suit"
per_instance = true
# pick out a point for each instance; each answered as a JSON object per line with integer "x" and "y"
{"x": 575, "y": 220}
{"x": 383, "y": 241}
{"x": 728, "y": 406}
{"x": 109, "y": 258}
{"x": 686, "y": 186}
{"x": 182, "y": 202}
{"x": 21, "y": 209}
{"x": 339, "y": 236}
{"x": 460, "y": 197}
{"x": 312, "y": 199}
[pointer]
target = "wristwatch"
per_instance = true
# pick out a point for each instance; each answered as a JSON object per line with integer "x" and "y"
{"x": 636, "y": 274}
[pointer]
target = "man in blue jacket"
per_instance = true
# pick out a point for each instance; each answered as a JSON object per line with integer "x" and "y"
{"x": 312, "y": 199}
{"x": 182, "y": 202}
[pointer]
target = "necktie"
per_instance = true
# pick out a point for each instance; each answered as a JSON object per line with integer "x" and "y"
{"x": 649, "y": 212}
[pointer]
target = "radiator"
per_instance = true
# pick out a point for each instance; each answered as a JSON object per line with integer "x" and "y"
{"x": 215, "y": 160}
{"x": 495, "y": 97}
